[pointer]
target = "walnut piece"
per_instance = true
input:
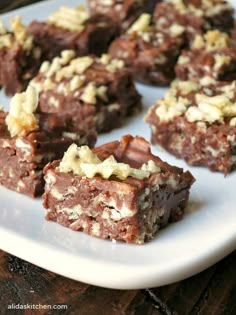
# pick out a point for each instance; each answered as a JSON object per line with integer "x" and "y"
{"x": 20, "y": 118}
{"x": 20, "y": 34}
{"x": 141, "y": 24}
{"x": 82, "y": 161}
{"x": 71, "y": 19}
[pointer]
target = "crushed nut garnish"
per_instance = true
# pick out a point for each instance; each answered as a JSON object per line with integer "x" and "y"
{"x": 21, "y": 118}
{"x": 208, "y": 7}
{"x": 20, "y": 35}
{"x": 82, "y": 161}
{"x": 112, "y": 65}
{"x": 72, "y": 19}
{"x": 213, "y": 40}
{"x": 141, "y": 25}
{"x": 204, "y": 106}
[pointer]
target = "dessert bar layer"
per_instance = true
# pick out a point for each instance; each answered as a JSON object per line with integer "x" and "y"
{"x": 117, "y": 191}
{"x": 196, "y": 121}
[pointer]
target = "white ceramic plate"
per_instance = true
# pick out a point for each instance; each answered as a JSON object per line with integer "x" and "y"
{"x": 205, "y": 235}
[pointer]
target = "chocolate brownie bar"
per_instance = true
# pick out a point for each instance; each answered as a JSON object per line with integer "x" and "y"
{"x": 196, "y": 121}
{"x": 119, "y": 191}
{"x": 196, "y": 16}
{"x": 29, "y": 140}
{"x": 20, "y": 58}
{"x": 124, "y": 13}
{"x": 73, "y": 28}
{"x": 149, "y": 52}
{"x": 99, "y": 92}
{"x": 213, "y": 54}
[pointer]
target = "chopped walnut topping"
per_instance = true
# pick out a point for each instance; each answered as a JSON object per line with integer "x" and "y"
{"x": 50, "y": 69}
{"x": 183, "y": 59}
{"x": 171, "y": 107}
{"x": 89, "y": 94}
{"x": 176, "y": 30}
{"x": 207, "y": 8}
{"x": 75, "y": 83}
{"x": 102, "y": 92}
{"x": 45, "y": 85}
{"x": 213, "y": 40}
{"x": 185, "y": 86}
{"x": 76, "y": 66}
{"x": 68, "y": 74}
{"x": 82, "y": 161}
{"x": 207, "y": 81}
{"x": 203, "y": 106}
{"x": 72, "y": 19}
{"x": 112, "y": 65}
{"x": 64, "y": 67}
{"x": 141, "y": 25}
{"x": 151, "y": 167}
{"x": 211, "y": 109}
{"x": 20, "y": 118}
{"x": 105, "y": 59}
{"x": 221, "y": 60}
{"x": 6, "y": 41}
{"x": 19, "y": 33}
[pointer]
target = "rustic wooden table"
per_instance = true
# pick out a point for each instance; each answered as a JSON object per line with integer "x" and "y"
{"x": 22, "y": 284}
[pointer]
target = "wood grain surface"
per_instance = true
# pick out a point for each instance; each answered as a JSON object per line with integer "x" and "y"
{"x": 7, "y": 5}
{"x": 212, "y": 292}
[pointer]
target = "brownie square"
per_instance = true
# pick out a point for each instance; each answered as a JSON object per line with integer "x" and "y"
{"x": 124, "y": 13}
{"x": 73, "y": 28}
{"x": 213, "y": 54}
{"x": 28, "y": 141}
{"x": 196, "y": 121}
{"x": 196, "y": 16}
{"x": 98, "y": 92}
{"x": 20, "y": 58}
{"x": 117, "y": 191}
{"x": 217, "y": 14}
{"x": 149, "y": 52}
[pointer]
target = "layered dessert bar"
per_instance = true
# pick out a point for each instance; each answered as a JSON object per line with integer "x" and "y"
{"x": 73, "y": 28}
{"x": 117, "y": 191}
{"x": 196, "y": 16}
{"x": 30, "y": 139}
{"x": 196, "y": 121}
{"x": 212, "y": 54}
{"x": 99, "y": 92}
{"x": 124, "y": 13}
{"x": 20, "y": 58}
{"x": 149, "y": 52}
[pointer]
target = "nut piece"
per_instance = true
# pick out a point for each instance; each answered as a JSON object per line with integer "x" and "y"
{"x": 71, "y": 19}
{"x": 211, "y": 109}
{"x": 82, "y": 161}
{"x": 208, "y": 7}
{"x": 214, "y": 40}
{"x": 141, "y": 24}
{"x": 89, "y": 95}
{"x": 204, "y": 106}
{"x": 20, "y": 33}
{"x": 112, "y": 65}
{"x": 20, "y": 118}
